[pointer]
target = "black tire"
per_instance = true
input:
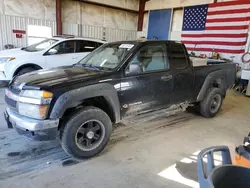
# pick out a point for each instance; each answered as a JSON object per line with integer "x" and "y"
{"x": 212, "y": 102}
{"x": 75, "y": 127}
{"x": 25, "y": 70}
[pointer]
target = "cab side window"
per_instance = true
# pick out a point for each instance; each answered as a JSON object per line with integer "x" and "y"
{"x": 85, "y": 46}
{"x": 64, "y": 48}
{"x": 149, "y": 58}
{"x": 177, "y": 56}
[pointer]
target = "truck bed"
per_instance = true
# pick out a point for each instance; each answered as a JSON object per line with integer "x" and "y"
{"x": 201, "y": 73}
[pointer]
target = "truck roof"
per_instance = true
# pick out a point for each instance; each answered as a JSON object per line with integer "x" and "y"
{"x": 147, "y": 41}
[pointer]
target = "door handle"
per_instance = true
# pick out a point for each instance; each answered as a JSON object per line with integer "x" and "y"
{"x": 166, "y": 77}
{"x": 74, "y": 57}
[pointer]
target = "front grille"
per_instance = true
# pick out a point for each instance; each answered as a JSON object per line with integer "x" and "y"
{"x": 10, "y": 102}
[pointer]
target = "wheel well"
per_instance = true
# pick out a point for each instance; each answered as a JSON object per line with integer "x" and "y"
{"x": 102, "y": 103}
{"x": 218, "y": 83}
{"x": 37, "y": 67}
{"x": 99, "y": 102}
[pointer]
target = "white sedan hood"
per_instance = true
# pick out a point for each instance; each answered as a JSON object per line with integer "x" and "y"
{"x": 13, "y": 52}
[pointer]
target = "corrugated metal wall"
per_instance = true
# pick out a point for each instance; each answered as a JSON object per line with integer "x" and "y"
{"x": 10, "y": 23}
{"x": 98, "y": 32}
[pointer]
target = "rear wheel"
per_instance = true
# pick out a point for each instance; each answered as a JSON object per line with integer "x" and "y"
{"x": 25, "y": 70}
{"x": 86, "y": 133}
{"x": 212, "y": 103}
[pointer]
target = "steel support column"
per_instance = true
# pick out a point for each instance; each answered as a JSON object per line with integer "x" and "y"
{"x": 141, "y": 14}
{"x": 59, "y": 17}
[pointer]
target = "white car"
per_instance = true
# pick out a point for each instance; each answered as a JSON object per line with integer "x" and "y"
{"x": 53, "y": 52}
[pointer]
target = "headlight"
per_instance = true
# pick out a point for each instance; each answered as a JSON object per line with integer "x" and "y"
{"x": 6, "y": 59}
{"x": 37, "y": 94}
{"x": 33, "y": 110}
{"x": 34, "y": 103}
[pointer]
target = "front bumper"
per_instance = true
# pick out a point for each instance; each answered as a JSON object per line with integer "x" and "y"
{"x": 41, "y": 130}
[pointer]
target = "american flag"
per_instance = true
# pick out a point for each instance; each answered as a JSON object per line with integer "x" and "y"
{"x": 219, "y": 27}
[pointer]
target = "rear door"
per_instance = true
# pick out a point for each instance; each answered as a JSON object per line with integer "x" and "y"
{"x": 61, "y": 55}
{"x": 151, "y": 88}
{"x": 182, "y": 72}
{"x": 83, "y": 48}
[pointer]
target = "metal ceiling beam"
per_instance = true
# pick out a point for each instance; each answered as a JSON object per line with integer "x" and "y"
{"x": 108, "y": 6}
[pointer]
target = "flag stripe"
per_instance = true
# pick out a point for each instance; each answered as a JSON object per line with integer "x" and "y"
{"x": 227, "y": 27}
{"x": 229, "y": 3}
{"x": 235, "y": 7}
{"x": 217, "y": 50}
{"x": 216, "y": 43}
{"x": 236, "y": 12}
{"x": 244, "y": 31}
{"x": 226, "y": 23}
{"x": 214, "y": 46}
{"x": 244, "y": 39}
{"x": 216, "y": 35}
{"x": 228, "y": 19}
{"x": 229, "y": 15}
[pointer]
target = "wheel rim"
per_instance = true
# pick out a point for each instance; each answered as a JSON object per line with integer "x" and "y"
{"x": 89, "y": 135}
{"x": 215, "y": 104}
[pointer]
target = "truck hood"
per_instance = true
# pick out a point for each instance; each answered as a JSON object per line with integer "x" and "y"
{"x": 58, "y": 76}
{"x": 12, "y": 52}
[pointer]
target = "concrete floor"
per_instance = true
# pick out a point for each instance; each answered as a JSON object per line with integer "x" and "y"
{"x": 139, "y": 150}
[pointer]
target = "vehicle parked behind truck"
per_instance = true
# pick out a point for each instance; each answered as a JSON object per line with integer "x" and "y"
{"x": 119, "y": 79}
{"x": 53, "y": 52}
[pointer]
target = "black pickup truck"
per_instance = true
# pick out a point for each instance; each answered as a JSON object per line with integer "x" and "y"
{"x": 80, "y": 103}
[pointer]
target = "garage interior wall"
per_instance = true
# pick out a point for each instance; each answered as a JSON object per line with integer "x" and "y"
{"x": 80, "y": 19}
{"x": 94, "y": 20}
{"x": 164, "y": 4}
{"x": 177, "y": 17}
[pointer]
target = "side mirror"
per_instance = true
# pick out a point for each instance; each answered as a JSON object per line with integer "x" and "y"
{"x": 133, "y": 69}
{"x": 52, "y": 51}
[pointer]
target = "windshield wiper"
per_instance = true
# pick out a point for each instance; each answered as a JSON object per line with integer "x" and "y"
{"x": 89, "y": 66}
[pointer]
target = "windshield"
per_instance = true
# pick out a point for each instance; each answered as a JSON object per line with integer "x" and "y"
{"x": 40, "y": 46}
{"x": 108, "y": 56}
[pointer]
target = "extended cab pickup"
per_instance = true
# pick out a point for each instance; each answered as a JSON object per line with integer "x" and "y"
{"x": 81, "y": 102}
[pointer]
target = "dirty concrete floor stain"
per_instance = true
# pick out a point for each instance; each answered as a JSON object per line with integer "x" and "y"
{"x": 139, "y": 149}
{"x": 13, "y": 154}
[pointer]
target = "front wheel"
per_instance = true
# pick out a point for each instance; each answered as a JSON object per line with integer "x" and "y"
{"x": 87, "y": 133}
{"x": 212, "y": 102}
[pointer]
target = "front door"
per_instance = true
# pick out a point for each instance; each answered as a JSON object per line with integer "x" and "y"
{"x": 62, "y": 54}
{"x": 148, "y": 81}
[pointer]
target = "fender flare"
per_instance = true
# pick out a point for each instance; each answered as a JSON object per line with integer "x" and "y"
{"x": 219, "y": 77}
{"x": 75, "y": 97}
